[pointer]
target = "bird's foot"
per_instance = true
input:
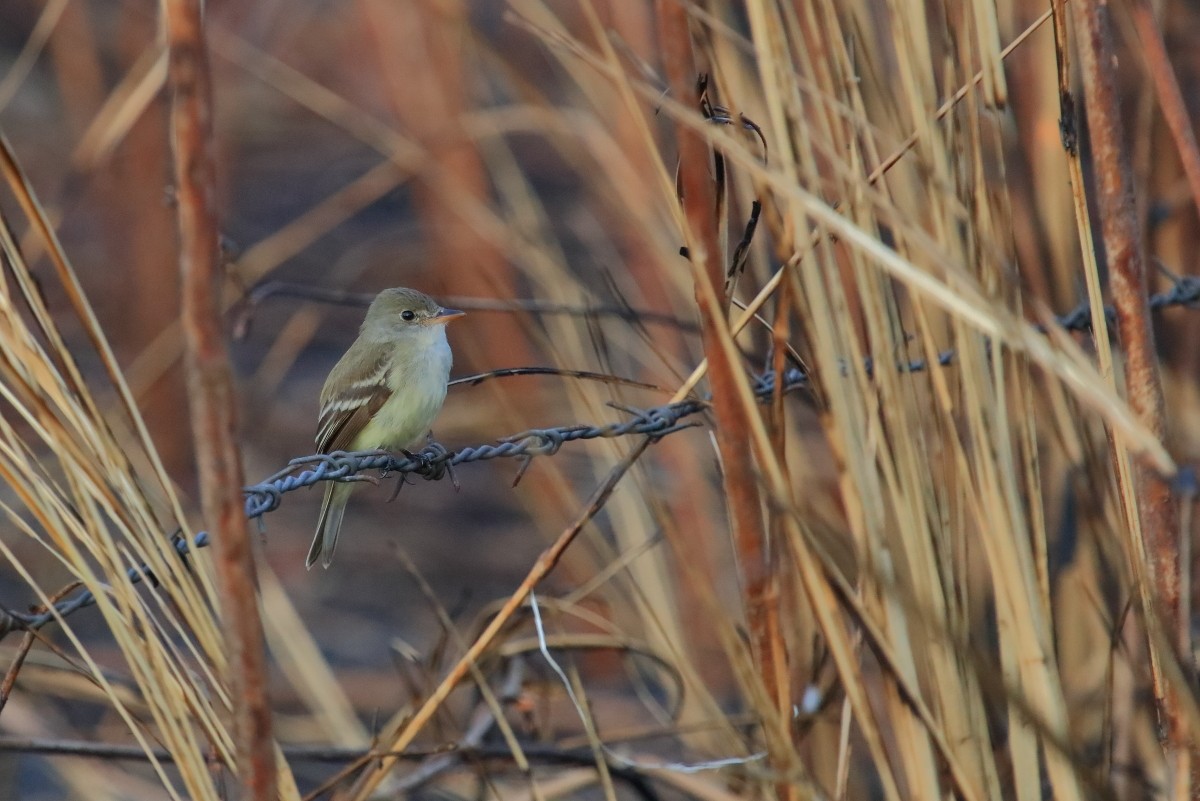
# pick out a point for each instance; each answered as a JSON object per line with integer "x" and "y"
{"x": 402, "y": 478}
{"x": 430, "y": 463}
{"x": 446, "y": 464}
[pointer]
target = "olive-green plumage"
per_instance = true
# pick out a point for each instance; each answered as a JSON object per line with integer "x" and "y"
{"x": 384, "y": 393}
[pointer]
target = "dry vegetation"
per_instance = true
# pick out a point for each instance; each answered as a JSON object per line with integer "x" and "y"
{"x": 970, "y": 580}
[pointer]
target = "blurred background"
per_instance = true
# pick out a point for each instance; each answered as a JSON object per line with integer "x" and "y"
{"x": 482, "y": 150}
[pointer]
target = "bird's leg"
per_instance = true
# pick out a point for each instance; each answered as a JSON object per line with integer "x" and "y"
{"x": 423, "y": 461}
{"x": 425, "y": 465}
{"x": 402, "y": 478}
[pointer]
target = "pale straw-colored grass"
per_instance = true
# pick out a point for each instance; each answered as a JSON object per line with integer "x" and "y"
{"x": 74, "y": 492}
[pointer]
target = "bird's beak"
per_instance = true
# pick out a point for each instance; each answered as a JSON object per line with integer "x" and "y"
{"x": 446, "y": 315}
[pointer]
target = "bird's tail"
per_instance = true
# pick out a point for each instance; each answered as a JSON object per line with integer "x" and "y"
{"x": 329, "y": 524}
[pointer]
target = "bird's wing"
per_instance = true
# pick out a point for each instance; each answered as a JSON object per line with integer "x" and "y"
{"x": 355, "y": 391}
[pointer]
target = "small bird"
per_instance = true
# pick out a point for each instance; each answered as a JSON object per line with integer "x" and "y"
{"x": 383, "y": 394}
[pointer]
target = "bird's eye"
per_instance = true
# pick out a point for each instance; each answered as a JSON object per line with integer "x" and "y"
{"x": 408, "y": 315}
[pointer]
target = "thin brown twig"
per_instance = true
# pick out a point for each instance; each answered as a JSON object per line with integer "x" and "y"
{"x": 943, "y": 110}
{"x": 211, "y": 393}
{"x": 10, "y": 676}
{"x": 31, "y": 636}
{"x": 780, "y": 671}
{"x": 586, "y": 375}
{"x": 551, "y": 755}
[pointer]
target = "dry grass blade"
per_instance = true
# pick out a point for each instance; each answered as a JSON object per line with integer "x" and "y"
{"x": 76, "y": 496}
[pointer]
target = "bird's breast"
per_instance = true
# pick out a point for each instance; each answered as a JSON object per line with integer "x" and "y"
{"x": 418, "y": 387}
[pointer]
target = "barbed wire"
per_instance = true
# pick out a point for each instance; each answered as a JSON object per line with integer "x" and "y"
{"x": 432, "y": 463}
{"x": 1184, "y": 291}
{"x": 435, "y": 461}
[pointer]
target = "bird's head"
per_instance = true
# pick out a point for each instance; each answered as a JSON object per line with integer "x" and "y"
{"x": 402, "y": 310}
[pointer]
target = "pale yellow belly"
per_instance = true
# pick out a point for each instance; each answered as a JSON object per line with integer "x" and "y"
{"x": 403, "y": 421}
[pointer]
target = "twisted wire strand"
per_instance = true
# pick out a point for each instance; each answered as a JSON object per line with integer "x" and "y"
{"x": 435, "y": 461}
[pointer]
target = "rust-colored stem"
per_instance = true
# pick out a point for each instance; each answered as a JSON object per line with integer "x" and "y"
{"x": 698, "y": 196}
{"x": 211, "y": 394}
{"x": 1122, "y": 237}
{"x": 1170, "y": 98}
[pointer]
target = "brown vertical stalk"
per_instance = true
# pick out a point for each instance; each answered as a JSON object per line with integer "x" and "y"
{"x": 733, "y": 431}
{"x": 1122, "y": 239}
{"x": 1170, "y": 98}
{"x": 211, "y": 394}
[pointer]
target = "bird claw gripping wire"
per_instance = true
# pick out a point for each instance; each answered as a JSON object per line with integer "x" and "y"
{"x": 430, "y": 463}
